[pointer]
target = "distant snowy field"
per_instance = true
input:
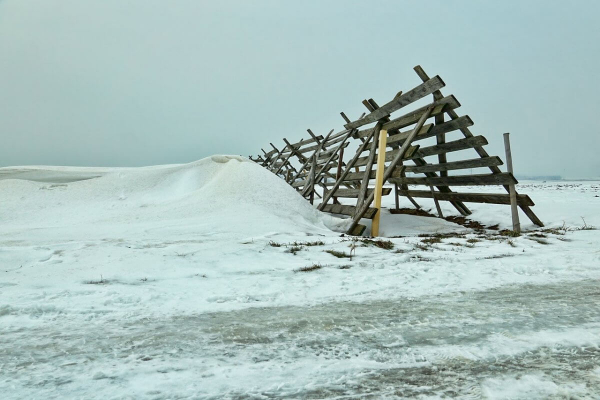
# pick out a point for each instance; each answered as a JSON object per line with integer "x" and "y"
{"x": 183, "y": 281}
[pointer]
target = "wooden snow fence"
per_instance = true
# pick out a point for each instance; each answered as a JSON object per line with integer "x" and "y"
{"x": 406, "y": 162}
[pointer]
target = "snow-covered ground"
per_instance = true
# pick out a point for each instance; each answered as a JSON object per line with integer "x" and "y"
{"x": 184, "y": 281}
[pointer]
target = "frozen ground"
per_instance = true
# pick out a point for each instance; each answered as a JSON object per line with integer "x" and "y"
{"x": 164, "y": 282}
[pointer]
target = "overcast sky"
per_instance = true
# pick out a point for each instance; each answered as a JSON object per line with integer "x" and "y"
{"x": 131, "y": 83}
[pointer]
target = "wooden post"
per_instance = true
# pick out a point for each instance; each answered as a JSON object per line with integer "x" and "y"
{"x": 397, "y": 197}
{"x": 313, "y": 171}
{"x": 339, "y": 171}
{"x": 437, "y": 203}
{"x": 364, "y": 186}
{"x": 379, "y": 181}
{"x": 513, "y": 193}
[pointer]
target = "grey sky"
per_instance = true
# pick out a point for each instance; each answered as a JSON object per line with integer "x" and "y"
{"x": 129, "y": 83}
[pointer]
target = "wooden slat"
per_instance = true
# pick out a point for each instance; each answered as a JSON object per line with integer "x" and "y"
{"x": 389, "y": 156}
{"x": 353, "y": 193}
{"x": 369, "y": 167}
{"x": 333, "y": 141}
{"x": 488, "y": 198}
{"x": 449, "y": 166}
{"x": 337, "y": 135}
{"x": 448, "y": 147}
{"x": 300, "y": 183}
{"x": 441, "y": 106}
{"x": 435, "y": 130}
{"x": 269, "y": 153}
{"x": 348, "y": 210}
{"x": 461, "y": 180}
{"x": 307, "y": 141}
{"x": 325, "y": 154}
{"x": 357, "y": 176}
{"x": 412, "y": 118}
{"x": 367, "y": 132}
{"x": 405, "y": 99}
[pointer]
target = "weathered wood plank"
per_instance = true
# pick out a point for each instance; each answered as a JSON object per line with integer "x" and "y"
{"x": 397, "y": 103}
{"x": 441, "y": 107}
{"x": 337, "y": 135}
{"x": 389, "y": 155}
{"x": 325, "y": 154}
{"x": 512, "y": 192}
{"x": 300, "y": 183}
{"x": 441, "y": 139}
{"x": 357, "y": 176}
{"x": 307, "y": 141}
{"x": 269, "y": 153}
{"x": 367, "y": 132}
{"x": 348, "y": 210}
{"x": 435, "y": 130}
{"x": 487, "y": 198}
{"x": 448, "y": 147}
{"x": 353, "y": 193}
{"x": 449, "y": 166}
{"x": 412, "y": 117}
{"x": 369, "y": 167}
{"x": 461, "y": 180}
{"x": 311, "y": 179}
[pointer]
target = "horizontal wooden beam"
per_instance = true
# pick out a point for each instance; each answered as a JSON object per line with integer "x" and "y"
{"x": 488, "y": 198}
{"x": 454, "y": 165}
{"x": 389, "y": 155}
{"x": 441, "y": 106}
{"x": 460, "y": 180}
{"x": 353, "y": 193}
{"x": 446, "y": 127}
{"x": 328, "y": 153}
{"x": 397, "y": 103}
{"x": 412, "y": 118}
{"x": 348, "y": 210}
{"x": 357, "y": 176}
{"x": 300, "y": 183}
{"x": 337, "y": 135}
{"x": 448, "y": 147}
{"x": 269, "y": 153}
{"x": 306, "y": 141}
{"x": 367, "y": 132}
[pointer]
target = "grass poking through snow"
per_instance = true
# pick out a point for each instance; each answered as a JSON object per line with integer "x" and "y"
{"x": 339, "y": 254}
{"x": 313, "y": 267}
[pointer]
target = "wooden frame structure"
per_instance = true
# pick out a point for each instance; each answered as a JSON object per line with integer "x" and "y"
{"x": 403, "y": 162}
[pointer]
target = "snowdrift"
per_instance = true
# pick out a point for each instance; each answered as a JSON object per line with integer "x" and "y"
{"x": 218, "y": 194}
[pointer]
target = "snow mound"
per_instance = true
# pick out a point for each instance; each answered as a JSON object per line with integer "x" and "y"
{"x": 218, "y": 194}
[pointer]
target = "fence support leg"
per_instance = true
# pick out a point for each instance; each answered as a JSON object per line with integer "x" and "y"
{"x": 513, "y": 193}
{"x": 437, "y": 203}
{"x": 379, "y": 181}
